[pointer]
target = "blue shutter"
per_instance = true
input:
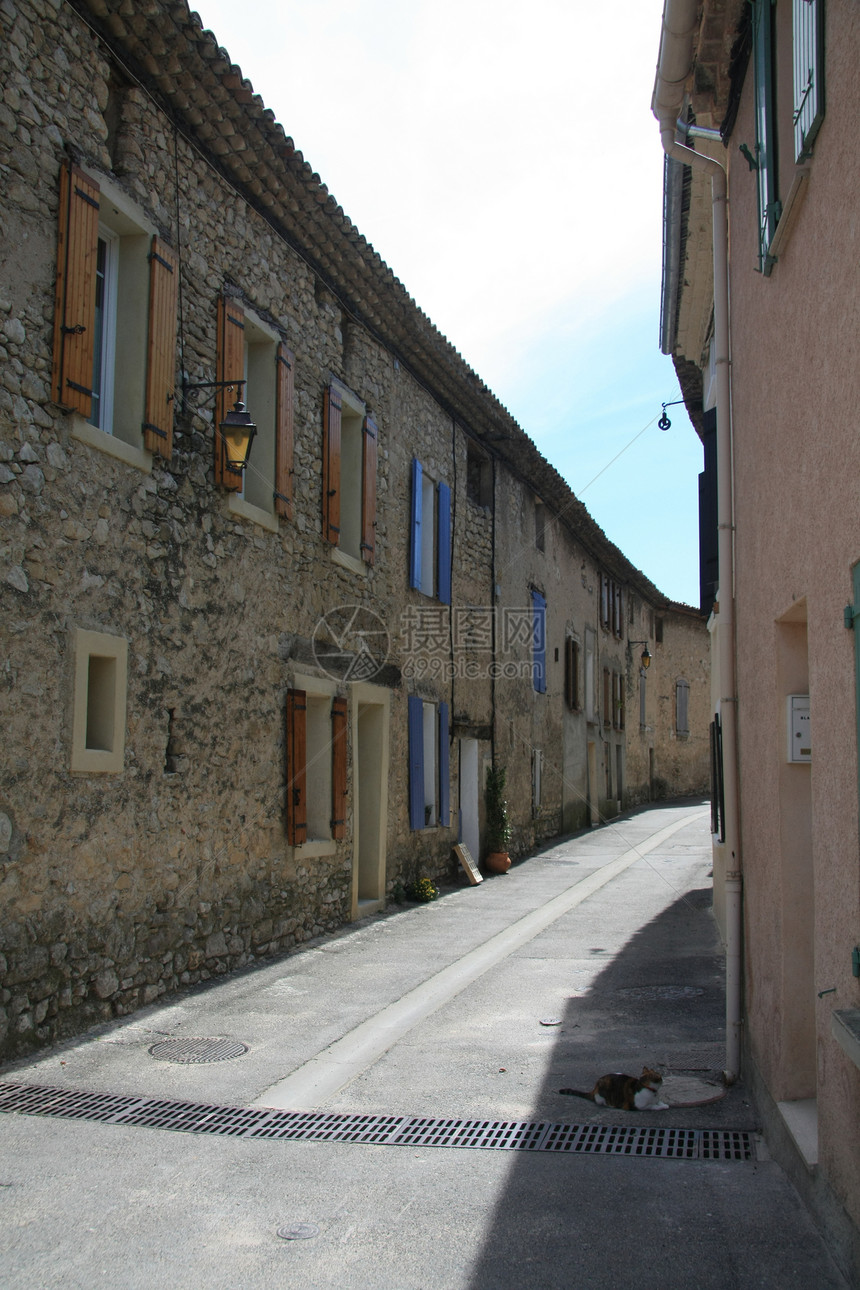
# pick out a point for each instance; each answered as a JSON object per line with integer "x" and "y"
{"x": 444, "y": 774}
{"x": 443, "y": 550}
{"x": 539, "y": 641}
{"x": 416, "y": 762}
{"x": 808, "y": 74}
{"x": 415, "y": 533}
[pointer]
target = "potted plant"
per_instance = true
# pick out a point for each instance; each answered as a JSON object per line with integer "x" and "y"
{"x": 498, "y": 828}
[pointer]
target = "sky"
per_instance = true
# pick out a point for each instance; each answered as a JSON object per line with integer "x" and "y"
{"x": 503, "y": 161}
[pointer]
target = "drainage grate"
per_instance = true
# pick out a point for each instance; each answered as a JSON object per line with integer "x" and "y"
{"x": 197, "y": 1050}
{"x": 380, "y": 1130}
{"x": 660, "y": 991}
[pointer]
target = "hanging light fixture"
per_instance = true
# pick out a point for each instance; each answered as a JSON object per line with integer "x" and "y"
{"x": 237, "y": 432}
{"x": 645, "y": 656}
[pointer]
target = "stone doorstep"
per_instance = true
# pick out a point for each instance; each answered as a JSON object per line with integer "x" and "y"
{"x": 801, "y": 1120}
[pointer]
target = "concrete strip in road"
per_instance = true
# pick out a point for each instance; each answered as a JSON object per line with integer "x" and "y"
{"x": 329, "y": 1071}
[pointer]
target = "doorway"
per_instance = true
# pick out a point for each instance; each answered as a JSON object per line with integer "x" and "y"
{"x": 370, "y": 709}
{"x": 470, "y": 829}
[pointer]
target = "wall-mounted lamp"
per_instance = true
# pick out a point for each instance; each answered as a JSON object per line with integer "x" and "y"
{"x": 237, "y": 430}
{"x": 664, "y": 422}
{"x": 645, "y": 656}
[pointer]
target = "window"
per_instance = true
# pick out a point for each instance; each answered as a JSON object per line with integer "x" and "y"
{"x": 771, "y": 99}
{"x": 350, "y": 444}
{"x": 479, "y": 476}
{"x": 571, "y": 674}
{"x": 316, "y": 766}
{"x": 249, "y": 351}
{"x": 611, "y": 606}
{"x": 114, "y": 319}
{"x": 642, "y": 698}
{"x": 98, "y": 722}
{"x": 607, "y": 697}
{"x": 430, "y": 538}
{"x": 540, "y": 525}
{"x": 539, "y": 641}
{"x": 618, "y": 700}
{"x": 429, "y": 763}
{"x": 682, "y": 701}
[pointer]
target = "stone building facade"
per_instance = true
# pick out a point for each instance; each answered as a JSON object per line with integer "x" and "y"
{"x": 240, "y": 710}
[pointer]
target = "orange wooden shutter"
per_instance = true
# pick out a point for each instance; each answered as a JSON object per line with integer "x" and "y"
{"x": 297, "y": 798}
{"x": 331, "y": 466}
{"x": 338, "y": 768}
{"x": 229, "y": 366}
{"x": 369, "y": 445}
{"x": 161, "y": 348}
{"x": 75, "y": 297}
{"x": 284, "y": 436}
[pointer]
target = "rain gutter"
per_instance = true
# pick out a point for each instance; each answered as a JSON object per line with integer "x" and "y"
{"x": 680, "y": 24}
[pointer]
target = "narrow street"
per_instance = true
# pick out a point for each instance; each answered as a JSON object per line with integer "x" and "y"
{"x": 596, "y": 954}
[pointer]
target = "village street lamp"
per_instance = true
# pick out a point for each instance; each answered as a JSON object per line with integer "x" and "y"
{"x": 236, "y": 431}
{"x": 645, "y": 656}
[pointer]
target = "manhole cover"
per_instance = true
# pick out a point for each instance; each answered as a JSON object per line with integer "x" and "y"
{"x": 298, "y": 1231}
{"x": 550, "y": 1021}
{"x": 685, "y": 1090}
{"x": 661, "y": 991}
{"x": 197, "y": 1050}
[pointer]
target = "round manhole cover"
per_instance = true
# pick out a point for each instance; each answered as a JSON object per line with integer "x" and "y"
{"x": 298, "y": 1231}
{"x": 661, "y": 991}
{"x": 197, "y": 1050}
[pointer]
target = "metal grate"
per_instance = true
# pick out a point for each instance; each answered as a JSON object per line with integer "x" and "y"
{"x": 197, "y": 1050}
{"x": 380, "y": 1130}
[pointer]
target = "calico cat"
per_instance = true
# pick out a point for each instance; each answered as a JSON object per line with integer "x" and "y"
{"x": 625, "y": 1092}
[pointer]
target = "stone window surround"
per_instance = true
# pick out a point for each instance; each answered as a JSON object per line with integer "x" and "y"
{"x": 99, "y": 700}
{"x": 126, "y": 219}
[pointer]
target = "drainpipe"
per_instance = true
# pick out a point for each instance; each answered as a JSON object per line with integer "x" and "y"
{"x": 673, "y": 69}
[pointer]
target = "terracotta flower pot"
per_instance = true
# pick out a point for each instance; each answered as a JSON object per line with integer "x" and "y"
{"x": 498, "y": 862}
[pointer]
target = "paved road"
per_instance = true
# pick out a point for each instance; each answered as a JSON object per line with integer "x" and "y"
{"x": 432, "y": 1012}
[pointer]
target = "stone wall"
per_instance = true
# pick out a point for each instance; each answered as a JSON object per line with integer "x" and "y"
{"x": 175, "y": 866}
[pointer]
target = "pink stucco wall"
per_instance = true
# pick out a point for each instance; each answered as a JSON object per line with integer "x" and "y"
{"x": 796, "y": 420}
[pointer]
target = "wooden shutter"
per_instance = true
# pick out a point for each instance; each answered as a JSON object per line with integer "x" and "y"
{"x": 161, "y": 349}
{"x": 604, "y": 600}
{"x": 75, "y": 294}
{"x": 229, "y": 366}
{"x": 607, "y": 697}
{"x": 443, "y": 548}
{"x": 682, "y": 695}
{"x": 331, "y": 465}
{"x": 297, "y": 798}
{"x": 416, "y": 762}
{"x": 444, "y": 768}
{"x": 539, "y": 641}
{"x": 285, "y": 389}
{"x": 808, "y": 74}
{"x": 415, "y": 526}
{"x": 338, "y": 768}
{"x": 369, "y": 450}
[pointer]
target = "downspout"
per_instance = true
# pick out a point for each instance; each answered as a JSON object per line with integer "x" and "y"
{"x": 673, "y": 69}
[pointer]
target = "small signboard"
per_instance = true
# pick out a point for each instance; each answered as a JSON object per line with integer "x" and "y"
{"x": 463, "y": 854}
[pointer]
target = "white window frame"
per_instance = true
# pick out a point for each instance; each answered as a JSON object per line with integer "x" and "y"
{"x": 104, "y": 395}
